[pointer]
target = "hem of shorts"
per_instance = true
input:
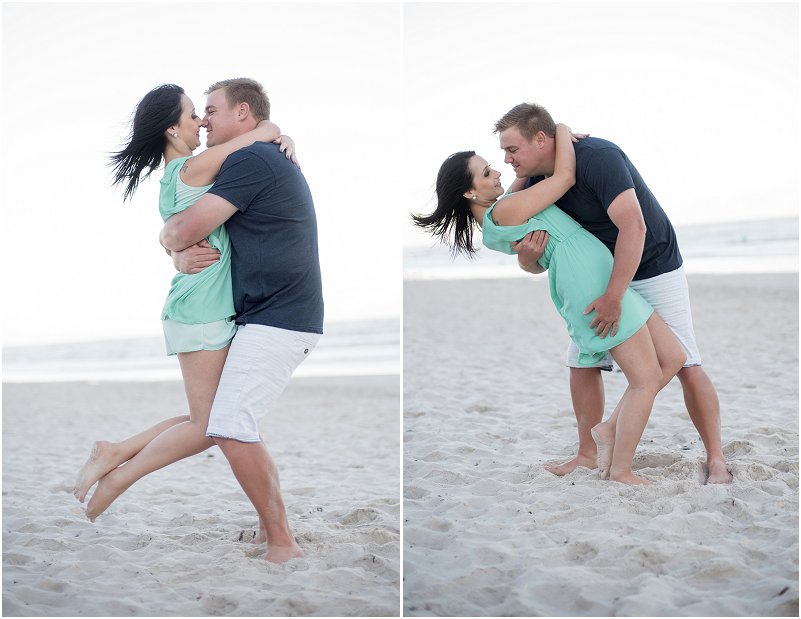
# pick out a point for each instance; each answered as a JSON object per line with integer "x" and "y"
{"x": 605, "y": 368}
{"x": 170, "y": 354}
{"x": 693, "y": 364}
{"x": 233, "y": 438}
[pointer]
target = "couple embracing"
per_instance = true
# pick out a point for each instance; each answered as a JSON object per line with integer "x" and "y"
{"x": 245, "y": 308}
{"x": 580, "y": 210}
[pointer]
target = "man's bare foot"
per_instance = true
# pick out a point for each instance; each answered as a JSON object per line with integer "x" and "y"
{"x": 604, "y": 436}
{"x": 718, "y": 473}
{"x": 100, "y": 462}
{"x": 260, "y": 538}
{"x": 569, "y": 466}
{"x": 107, "y": 491}
{"x": 282, "y": 554}
{"x": 627, "y": 477}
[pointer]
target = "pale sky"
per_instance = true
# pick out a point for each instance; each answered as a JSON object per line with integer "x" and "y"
{"x": 79, "y": 263}
{"x": 703, "y": 97}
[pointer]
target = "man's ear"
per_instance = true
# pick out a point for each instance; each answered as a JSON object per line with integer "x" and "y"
{"x": 242, "y": 110}
{"x": 539, "y": 139}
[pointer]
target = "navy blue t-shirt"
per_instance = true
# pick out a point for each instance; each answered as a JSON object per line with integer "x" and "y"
{"x": 275, "y": 264}
{"x": 602, "y": 173}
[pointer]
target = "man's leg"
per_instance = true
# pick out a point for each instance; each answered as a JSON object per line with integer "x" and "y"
{"x": 587, "y": 393}
{"x": 701, "y": 400}
{"x": 256, "y": 472}
{"x": 259, "y": 367}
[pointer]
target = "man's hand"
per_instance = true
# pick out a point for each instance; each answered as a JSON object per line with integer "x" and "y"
{"x": 607, "y": 314}
{"x": 529, "y": 250}
{"x": 195, "y": 258}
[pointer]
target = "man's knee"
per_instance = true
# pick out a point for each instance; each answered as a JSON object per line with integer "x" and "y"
{"x": 692, "y": 375}
{"x": 585, "y": 375}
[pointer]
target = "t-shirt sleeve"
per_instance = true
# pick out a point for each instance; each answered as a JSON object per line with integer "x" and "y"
{"x": 242, "y": 177}
{"x": 607, "y": 175}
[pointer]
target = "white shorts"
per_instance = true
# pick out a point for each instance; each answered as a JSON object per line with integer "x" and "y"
{"x": 669, "y": 295}
{"x": 259, "y": 365}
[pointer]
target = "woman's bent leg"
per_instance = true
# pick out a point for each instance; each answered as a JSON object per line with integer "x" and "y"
{"x": 670, "y": 356}
{"x": 201, "y": 371}
{"x": 638, "y": 360}
{"x": 107, "y": 456}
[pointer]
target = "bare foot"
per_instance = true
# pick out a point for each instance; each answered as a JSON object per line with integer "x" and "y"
{"x": 260, "y": 538}
{"x": 570, "y": 465}
{"x": 718, "y": 473}
{"x": 100, "y": 462}
{"x": 282, "y": 554}
{"x": 604, "y": 436}
{"x": 630, "y": 478}
{"x": 104, "y": 495}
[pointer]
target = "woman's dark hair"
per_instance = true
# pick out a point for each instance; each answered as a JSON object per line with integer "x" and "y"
{"x": 453, "y": 209}
{"x": 158, "y": 110}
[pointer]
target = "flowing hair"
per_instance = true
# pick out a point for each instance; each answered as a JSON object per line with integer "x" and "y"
{"x": 158, "y": 110}
{"x": 453, "y": 209}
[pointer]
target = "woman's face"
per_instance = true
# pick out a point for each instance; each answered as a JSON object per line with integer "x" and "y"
{"x": 486, "y": 181}
{"x": 188, "y": 127}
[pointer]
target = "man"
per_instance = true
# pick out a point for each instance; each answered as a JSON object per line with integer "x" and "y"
{"x": 611, "y": 200}
{"x": 267, "y": 208}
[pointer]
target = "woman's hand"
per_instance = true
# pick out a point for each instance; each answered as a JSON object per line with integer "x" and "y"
{"x": 287, "y": 146}
{"x": 575, "y": 137}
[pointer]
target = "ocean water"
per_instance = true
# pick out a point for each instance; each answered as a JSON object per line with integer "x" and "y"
{"x": 346, "y": 349}
{"x": 761, "y": 246}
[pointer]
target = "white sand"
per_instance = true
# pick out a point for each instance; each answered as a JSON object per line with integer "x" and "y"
{"x": 487, "y": 531}
{"x": 170, "y": 545}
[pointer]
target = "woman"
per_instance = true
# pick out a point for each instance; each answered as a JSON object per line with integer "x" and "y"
{"x": 579, "y": 266}
{"x": 198, "y": 314}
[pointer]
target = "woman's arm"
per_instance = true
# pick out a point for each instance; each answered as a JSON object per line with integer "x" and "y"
{"x": 203, "y": 168}
{"x": 518, "y": 208}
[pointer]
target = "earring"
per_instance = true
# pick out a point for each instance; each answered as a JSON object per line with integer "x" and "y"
{"x": 175, "y": 135}
{"x": 474, "y": 197}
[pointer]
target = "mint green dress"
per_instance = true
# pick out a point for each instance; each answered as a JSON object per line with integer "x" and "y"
{"x": 579, "y": 267}
{"x": 200, "y": 298}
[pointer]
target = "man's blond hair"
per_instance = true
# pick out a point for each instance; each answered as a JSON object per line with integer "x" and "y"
{"x": 529, "y": 119}
{"x": 244, "y": 90}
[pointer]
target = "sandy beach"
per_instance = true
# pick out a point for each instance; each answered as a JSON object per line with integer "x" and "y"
{"x": 489, "y": 532}
{"x": 176, "y": 543}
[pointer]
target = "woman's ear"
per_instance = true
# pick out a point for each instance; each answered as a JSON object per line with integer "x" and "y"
{"x": 470, "y": 195}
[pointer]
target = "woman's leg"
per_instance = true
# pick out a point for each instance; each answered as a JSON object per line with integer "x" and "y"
{"x": 201, "y": 371}
{"x": 649, "y": 359}
{"x": 107, "y": 456}
{"x": 671, "y": 356}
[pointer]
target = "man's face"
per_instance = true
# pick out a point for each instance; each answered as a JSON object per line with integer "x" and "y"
{"x": 220, "y": 120}
{"x": 527, "y": 158}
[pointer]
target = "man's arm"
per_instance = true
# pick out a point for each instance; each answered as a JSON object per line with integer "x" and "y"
{"x": 626, "y": 214}
{"x": 195, "y": 223}
{"x": 529, "y": 250}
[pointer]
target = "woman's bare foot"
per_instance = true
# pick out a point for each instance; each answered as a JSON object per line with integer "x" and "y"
{"x": 101, "y": 460}
{"x": 570, "y": 465}
{"x": 718, "y": 473}
{"x": 627, "y": 477}
{"x": 260, "y": 538}
{"x": 107, "y": 491}
{"x": 282, "y": 554}
{"x": 604, "y": 436}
